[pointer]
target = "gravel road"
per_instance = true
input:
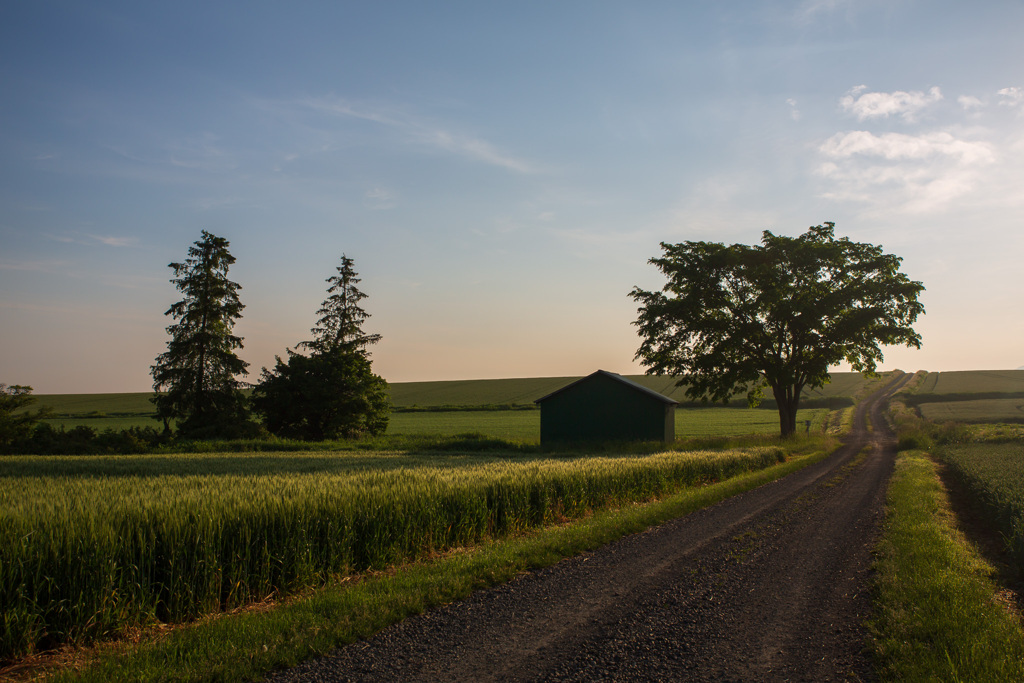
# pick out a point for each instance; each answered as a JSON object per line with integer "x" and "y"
{"x": 769, "y": 585}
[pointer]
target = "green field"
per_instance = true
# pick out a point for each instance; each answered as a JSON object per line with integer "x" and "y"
{"x": 122, "y": 411}
{"x": 524, "y": 425}
{"x": 994, "y": 475}
{"x": 524, "y": 391}
{"x": 981, "y": 410}
{"x": 973, "y": 382}
{"x": 93, "y": 545}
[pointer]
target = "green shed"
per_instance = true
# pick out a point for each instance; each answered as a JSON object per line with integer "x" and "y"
{"x": 606, "y": 407}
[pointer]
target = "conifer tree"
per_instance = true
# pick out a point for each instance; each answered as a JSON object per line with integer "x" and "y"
{"x": 341, "y": 317}
{"x": 331, "y": 393}
{"x": 196, "y": 378}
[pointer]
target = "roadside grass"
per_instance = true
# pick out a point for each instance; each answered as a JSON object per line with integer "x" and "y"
{"x": 935, "y": 616}
{"x": 247, "y": 645}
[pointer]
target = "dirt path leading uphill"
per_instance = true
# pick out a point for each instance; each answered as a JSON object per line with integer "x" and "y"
{"x": 769, "y": 585}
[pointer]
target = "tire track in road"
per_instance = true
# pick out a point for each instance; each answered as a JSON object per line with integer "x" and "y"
{"x": 771, "y": 584}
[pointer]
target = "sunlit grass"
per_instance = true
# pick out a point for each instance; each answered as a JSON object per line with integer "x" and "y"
{"x": 935, "y": 616}
{"x": 98, "y": 544}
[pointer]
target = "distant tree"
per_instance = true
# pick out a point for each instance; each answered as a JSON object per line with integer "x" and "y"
{"x": 17, "y": 424}
{"x": 328, "y": 395}
{"x": 739, "y": 318}
{"x": 196, "y": 377}
{"x": 333, "y": 392}
{"x": 341, "y": 317}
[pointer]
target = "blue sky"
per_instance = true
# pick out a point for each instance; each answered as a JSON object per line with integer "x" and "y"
{"x": 500, "y": 172}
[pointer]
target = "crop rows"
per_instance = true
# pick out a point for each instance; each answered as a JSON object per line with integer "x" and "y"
{"x": 83, "y": 557}
{"x": 994, "y": 475}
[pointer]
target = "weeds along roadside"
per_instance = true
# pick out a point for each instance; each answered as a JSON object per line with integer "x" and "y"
{"x": 87, "y": 557}
{"x": 937, "y": 616}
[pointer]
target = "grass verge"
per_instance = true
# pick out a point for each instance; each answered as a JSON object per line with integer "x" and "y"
{"x": 245, "y": 646}
{"x": 936, "y": 617}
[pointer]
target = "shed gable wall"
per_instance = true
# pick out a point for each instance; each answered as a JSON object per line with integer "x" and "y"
{"x": 604, "y": 408}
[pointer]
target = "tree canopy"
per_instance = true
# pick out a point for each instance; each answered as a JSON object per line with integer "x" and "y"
{"x": 16, "y": 423}
{"x": 333, "y": 392}
{"x": 341, "y": 317}
{"x": 196, "y": 378}
{"x": 736, "y": 319}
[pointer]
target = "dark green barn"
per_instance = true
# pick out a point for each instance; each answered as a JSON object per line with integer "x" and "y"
{"x": 606, "y": 407}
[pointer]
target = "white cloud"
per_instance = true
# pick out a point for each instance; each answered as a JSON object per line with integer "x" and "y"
{"x": 897, "y": 146}
{"x": 871, "y": 105}
{"x": 969, "y": 102}
{"x": 908, "y": 173}
{"x": 794, "y": 113}
{"x": 1010, "y": 97}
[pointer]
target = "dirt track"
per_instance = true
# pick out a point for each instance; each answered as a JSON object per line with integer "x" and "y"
{"x": 768, "y": 585}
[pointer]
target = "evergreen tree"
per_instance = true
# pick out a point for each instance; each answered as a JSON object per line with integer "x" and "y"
{"x": 196, "y": 377}
{"x": 341, "y": 317}
{"x": 332, "y": 393}
{"x": 328, "y": 395}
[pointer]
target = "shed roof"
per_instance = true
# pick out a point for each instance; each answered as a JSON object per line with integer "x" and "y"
{"x": 619, "y": 378}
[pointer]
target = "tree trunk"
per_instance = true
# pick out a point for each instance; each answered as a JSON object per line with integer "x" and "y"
{"x": 788, "y": 400}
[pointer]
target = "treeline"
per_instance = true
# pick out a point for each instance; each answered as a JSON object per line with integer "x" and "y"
{"x": 328, "y": 390}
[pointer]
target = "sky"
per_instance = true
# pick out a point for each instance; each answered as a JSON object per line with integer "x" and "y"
{"x": 499, "y": 172}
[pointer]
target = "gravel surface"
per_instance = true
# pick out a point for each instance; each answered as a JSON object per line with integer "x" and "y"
{"x": 769, "y": 585}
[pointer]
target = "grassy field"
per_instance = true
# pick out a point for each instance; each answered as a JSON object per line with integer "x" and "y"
{"x": 993, "y": 474}
{"x": 121, "y": 411}
{"x": 973, "y": 382}
{"x": 524, "y": 425}
{"x": 93, "y": 545}
{"x": 980, "y": 410}
{"x": 524, "y": 391}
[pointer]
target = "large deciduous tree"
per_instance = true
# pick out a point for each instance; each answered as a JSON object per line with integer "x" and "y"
{"x": 197, "y": 377}
{"x": 333, "y": 392}
{"x": 739, "y": 318}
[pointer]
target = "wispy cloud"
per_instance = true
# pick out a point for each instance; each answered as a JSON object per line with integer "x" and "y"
{"x": 112, "y": 241}
{"x": 380, "y": 198}
{"x": 794, "y": 113}
{"x": 421, "y": 132}
{"x": 871, "y": 105}
{"x": 1010, "y": 97}
{"x": 92, "y": 239}
{"x": 37, "y": 266}
{"x": 810, "y": 10}
{"x": 911, "y": 173}
{"x": 896, "y": 146}
{"x": 969, "y": 102}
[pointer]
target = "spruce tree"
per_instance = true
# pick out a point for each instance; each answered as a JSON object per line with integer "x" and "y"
{"x": 331, "y": 393}
{"x": 196, "y": 378}
{"x": 341, "y": 317}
